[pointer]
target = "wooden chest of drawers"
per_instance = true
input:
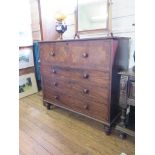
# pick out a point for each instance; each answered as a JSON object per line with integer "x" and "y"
{"x": 81, "y": 76}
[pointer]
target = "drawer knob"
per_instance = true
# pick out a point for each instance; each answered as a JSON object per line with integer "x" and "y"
{"x": 52, "y": 53}
{"x": 86, "y": 106}
{"x": 54, "y": 71}
{"x": 56, "y": 97}
{"x": 86, "y": 91}
{"x": 85, "y": 76}
{"x": 85, "y": 55}
{"x": 55, "y": 84}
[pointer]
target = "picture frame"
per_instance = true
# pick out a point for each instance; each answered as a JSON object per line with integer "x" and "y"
{"x": 27, "y": 85}
{"x": 26, "y": 57}
{"x": 25, "y": 35}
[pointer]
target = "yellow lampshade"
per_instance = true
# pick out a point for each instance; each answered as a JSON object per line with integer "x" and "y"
{"x": 60, "y": 16}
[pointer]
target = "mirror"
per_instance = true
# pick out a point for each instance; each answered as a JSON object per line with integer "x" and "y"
{"x": 92, "y": 15}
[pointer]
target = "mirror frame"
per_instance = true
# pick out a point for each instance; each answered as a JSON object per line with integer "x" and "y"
{"x": 108, "y": 28}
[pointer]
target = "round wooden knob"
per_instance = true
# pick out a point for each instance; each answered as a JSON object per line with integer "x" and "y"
{"x": 85, "y": 76}
{"x": 52, "y": 53}
{"x": 86, "y": 91}
{"x": 54, "y": 71}
{"x": 56, "y": 97}
{"x": 85, "y": 55}
{"x": 85, "y": 106}
{"x": 55, "y": 84}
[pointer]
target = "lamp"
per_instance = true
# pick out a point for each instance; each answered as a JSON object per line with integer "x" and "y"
{"x": 61, "y": 27}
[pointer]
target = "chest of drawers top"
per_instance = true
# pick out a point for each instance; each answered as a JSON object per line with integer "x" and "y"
{"x": 86, "y": 53}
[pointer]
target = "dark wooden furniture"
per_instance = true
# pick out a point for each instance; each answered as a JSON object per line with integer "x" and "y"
{"x": 81, "y": 76}
{"x": 127, "y": 104}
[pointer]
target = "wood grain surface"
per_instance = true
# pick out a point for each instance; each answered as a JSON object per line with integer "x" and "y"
{"x": 81, "y": 76}
{"x": 59, "y": 132}
{"x": 86, "y": 54}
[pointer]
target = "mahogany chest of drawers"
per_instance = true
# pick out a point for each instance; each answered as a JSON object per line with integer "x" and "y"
{"x": 81, "y": 76}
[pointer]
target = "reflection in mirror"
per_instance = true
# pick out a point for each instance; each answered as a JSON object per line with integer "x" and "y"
{"x": 92, "y": 15}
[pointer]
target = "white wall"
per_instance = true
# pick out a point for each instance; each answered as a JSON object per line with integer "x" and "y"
{"x": 35, "y": 21}
{"x": 123, "y": 14}
{"x": 24, "y": 17}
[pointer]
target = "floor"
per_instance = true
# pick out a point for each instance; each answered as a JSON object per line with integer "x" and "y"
{"x": 59, "y": 132}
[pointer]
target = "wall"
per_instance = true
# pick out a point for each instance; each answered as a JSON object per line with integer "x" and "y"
{"x": 35, "y": 20}
{"x": 123, "y": 14}
{"x": 24, "y": 21}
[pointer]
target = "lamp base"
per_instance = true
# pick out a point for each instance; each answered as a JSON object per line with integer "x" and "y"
{"x": 60, "y": 36}
{"x": 61, "y": 27}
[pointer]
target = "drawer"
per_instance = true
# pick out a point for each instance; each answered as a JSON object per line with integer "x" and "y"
{"x": 85, "y": 92}
{"x": 91, "y": 54}
{"x": 84, "y": 76}
{"x": 85, "y": 54}
{"x": 94, "y": 110}
{"x": 54, "y": 53}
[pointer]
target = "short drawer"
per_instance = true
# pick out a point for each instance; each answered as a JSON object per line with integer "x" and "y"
{"x": 94, "y": 110}
{"x": 91, "y": 54}
{"x": 54, "y": 53}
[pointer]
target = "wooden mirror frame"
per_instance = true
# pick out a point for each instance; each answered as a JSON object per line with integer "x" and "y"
{"x": 108, "y": 28}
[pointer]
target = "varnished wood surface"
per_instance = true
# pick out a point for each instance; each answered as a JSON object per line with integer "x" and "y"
{"x": 26, "y": 71}
{"x": 59, "y": 132}
{"x": 103, "y": 57}
{"x": 82, "y": 39}
{"x": 22, "y": 47}
{"x": 87, "y": 54}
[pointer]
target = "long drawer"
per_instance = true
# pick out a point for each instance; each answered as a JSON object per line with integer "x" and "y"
{"x": 86, "y": 54}
{"x": 95, "y": 110}
{"x": 84, "y": 76}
